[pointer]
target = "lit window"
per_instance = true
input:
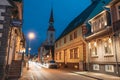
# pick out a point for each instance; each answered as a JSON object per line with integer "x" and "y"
{"x": 56, "y": 56}
{"x": 89, "y": 45}
{"x": 118, "y": 10}
{"x": 1, "y": 26}
{"x": 60, "y": 56}
{"x": 93, "y": 49}
{"x": 76, "y": 53}
{"x": 108, "y": 46}
{"x": 71, "y": 54}
{"x": 109, "y": 68}
{"x": 96, "y": 67}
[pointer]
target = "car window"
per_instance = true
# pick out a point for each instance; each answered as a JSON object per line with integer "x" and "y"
{"x": 51, "y": 61}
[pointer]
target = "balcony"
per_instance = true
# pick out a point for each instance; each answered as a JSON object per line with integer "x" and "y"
{"x": 116, "y": 26}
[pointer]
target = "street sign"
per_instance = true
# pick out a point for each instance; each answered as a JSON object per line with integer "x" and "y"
{"x": 16, "y": 23}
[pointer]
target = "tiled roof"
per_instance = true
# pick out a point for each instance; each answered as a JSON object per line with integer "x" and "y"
{"x": 79, "y": 20}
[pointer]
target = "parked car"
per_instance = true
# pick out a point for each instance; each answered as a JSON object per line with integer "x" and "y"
{"x": 52, "y": 64}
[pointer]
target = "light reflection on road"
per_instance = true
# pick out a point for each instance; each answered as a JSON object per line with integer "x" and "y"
{"x": 38, "y": 72}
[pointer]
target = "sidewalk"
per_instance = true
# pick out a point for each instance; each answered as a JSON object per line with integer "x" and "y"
{"x": 94, "y": 75}
{"x": 26, "y": 75}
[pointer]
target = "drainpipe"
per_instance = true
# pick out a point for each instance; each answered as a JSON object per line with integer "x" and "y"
{"x": 116, "y": 58}
{"x": 9, "y": 46}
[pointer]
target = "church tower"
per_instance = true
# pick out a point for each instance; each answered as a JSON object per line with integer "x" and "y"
{"x": 51, "y": 30}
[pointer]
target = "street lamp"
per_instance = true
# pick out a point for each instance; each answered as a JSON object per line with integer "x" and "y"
{"x": 23, "y": 52}
{"x": 31, "y": 36}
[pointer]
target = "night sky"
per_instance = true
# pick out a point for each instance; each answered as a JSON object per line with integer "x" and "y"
{"x": 37, "y": 14}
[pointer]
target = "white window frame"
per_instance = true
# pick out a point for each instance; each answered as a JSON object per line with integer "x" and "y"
{"x": 99, "y": 23}
{"x": 93, "y": 50}
{"x": 96, "y": 67}
{"x": 1, "y": 26}
{"x": 109, "y": 46}
{"x": 118, "y": 11}
{"x": 109, "y": 68}
{"x": 1, "y": 11}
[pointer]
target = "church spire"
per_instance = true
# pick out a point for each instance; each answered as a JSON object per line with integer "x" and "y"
{"x": 51, "y": 16}
{"x": 51, "y": 30}
{"x": 51, "y": 21}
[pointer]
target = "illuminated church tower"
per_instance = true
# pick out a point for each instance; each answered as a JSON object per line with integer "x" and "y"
{"x": 51, "y": 30}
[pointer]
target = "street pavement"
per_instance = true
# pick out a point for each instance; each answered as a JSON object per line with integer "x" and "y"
{"x": 79, "y": 75}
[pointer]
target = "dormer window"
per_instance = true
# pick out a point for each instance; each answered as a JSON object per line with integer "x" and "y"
{"x": 118, "y": 11}
{"x": 99, "y": 22}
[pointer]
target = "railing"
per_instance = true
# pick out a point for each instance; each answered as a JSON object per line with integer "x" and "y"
{"x": 116, "y": 26}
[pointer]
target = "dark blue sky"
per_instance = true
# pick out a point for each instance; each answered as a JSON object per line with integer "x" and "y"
{"x": 37, "y": 14}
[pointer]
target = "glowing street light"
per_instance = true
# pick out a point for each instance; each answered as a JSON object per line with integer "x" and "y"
{"x": 31, "y": 36}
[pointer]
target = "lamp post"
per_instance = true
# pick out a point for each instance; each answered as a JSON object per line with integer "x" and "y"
{"x": 23, "y": 52}
{"x": 31, "y": 36}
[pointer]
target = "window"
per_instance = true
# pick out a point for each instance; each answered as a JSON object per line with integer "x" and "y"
{"x": 76, "y": 53}
{"x": 109, "y": 68}
{"x": 71, "y": 54}
{"x": 59, "y": 55}
{"x": 1, "y": 11}
{"x": 102, "y": 22}
{"x": 94, "y": 49}
{"x": 0, "y": 34}
{"x": 71, "y": 37}
{"x": 96, "y": 67}
{"x": 108, "y": 46}
{"x": 98, "y": 23}
{"x": 75, "y": 34}
{"x": 60, "y": 43}
{"x": 118, "y": 11}
{"x": 1, "y": 26}
{"x": 64, "y": 39}
{"x": 56, "y": 56}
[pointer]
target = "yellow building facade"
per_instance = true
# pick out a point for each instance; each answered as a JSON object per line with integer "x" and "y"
{"x": 70, "y": 50}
